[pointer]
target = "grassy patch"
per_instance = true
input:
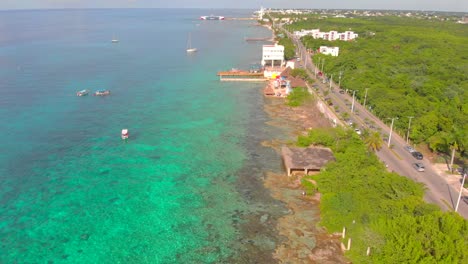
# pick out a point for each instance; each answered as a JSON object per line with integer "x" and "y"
{"x": 298, "y": 97}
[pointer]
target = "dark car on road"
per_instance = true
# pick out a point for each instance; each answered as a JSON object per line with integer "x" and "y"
{"x": 417, "y": 155}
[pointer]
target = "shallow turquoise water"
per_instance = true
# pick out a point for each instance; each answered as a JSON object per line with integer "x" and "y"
{"x": 183, "y": 186}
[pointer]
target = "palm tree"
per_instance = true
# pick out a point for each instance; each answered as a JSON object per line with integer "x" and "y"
{"x": 454, "y": 141}
{"x": 373, "y": 141}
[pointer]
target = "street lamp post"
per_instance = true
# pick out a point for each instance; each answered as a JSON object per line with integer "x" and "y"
{"x": 391, "y": 130}
{"x": 461, "y": 190}
{"x": 365, "y": 98}
{"x": 352, "y": 105}
{"x": 331, "y": 80}
{"x": 409, "y": 126}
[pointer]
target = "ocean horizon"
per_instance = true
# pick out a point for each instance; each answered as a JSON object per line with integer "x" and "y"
{"x": 187, "y": 185}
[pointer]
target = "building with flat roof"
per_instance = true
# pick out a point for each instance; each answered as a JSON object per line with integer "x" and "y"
{"x": 273, "y": 55}
{"x": 330, "y": 36}
{"x": 334, "y": 51}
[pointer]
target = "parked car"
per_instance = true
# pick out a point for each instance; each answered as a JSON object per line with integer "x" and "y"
{"x": 419, "y": 166}
{"x": 417, "y": 155}
{"x": 341, "y": 91}
{"x": 410, "y": 149}
{"x": 358, "y": 131}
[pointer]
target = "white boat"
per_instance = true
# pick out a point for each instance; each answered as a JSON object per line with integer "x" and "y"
{"x": 114, "y": 39}
{"x": 189, "y": 45}
{"x": 212, "y": 17}
{"x": 125, "y": 133}
{"x": 82, "y": 93}
{"x": 102, "y": 92}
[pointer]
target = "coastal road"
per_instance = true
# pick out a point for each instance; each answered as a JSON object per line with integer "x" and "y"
{"x": 439, "y": 190}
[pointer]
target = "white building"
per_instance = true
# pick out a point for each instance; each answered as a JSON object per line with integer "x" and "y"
{"x": 290, "y": 64}
{"x": 330, "y": 36}
{"x": 305, "y": 32}
{"x": 260, "y": 13}
{"x": 273, "y": 55}
{"x": 348, "y": 35}
{"x": 334, "y": 51}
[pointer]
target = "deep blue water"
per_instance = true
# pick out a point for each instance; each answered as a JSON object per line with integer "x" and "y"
{"x": 183, "y": 187}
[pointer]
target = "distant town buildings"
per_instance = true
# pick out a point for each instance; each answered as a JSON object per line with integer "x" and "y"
{"x": 330, "y": 36}
{"x": 334, "y": 51}
{"x": 303, "y": 14}
{"x": 464, "y": 20}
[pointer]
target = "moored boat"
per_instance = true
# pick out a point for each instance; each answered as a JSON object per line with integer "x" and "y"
{"x": 212, "y": 17}
{"x": 82, "y": 93}
{"x": 102, "y": 92}
{"x": 125, "y": 134}
{"x": 190, "y": 49}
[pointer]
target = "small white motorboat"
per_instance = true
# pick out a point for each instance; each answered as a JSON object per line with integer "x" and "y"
{"x": 82, "y": 93}
{"x": 125, "y": 134}
{"x": 102, "y": 92}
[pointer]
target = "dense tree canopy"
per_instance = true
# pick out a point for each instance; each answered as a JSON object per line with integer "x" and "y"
{"x": 412, "y": 67}
{"x": 381, "y": 210}
{"x": 289, "y": 48}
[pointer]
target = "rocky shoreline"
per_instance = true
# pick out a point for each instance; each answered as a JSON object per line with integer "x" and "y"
{"x": 304, "y": 240}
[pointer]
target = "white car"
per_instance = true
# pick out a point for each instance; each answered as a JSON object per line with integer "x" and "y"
{"x": 358, "y": 131}
{"x": 410, "y": 149}
{"x": 419, "y": 166}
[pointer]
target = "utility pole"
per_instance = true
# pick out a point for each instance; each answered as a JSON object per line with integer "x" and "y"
{"x": 391, "y": 130}
{"x": 461, "y": 190}
{"x": 365, "y": 98}
{"x": 339, "y": 80}
{"x": 331, "y": 80}
{"x": 352, "y": 105}
{"x": 409, "y": 126}
{"x": 323, "y": 62}
{"x": 317, "y": 66}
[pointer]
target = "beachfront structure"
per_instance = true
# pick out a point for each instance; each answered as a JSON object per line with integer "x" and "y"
{"x": 305, "y": 160}
{"x": 330, "y": 36}
{"x": 334, "y": 51}
{"x": 273, "y": 55}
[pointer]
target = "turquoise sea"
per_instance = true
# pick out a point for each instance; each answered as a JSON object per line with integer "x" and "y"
{"x": 185, "y": 188}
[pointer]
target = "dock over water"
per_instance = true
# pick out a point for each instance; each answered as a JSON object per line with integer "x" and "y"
{"x": 269, "y": 39}
{"x": 241, "y": 76}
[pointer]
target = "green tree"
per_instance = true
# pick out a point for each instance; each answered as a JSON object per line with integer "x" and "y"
{"x": 373, "y": 141}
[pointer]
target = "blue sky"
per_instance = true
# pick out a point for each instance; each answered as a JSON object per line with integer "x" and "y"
{"x": 437, "y": 5}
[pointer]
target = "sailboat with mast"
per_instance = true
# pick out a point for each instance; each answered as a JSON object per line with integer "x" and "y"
{"x": 114, "y": 39}
{"x": 189, "y": 45}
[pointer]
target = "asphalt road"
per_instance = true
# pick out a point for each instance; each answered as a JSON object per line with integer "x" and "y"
{"x": 438, "y": 190}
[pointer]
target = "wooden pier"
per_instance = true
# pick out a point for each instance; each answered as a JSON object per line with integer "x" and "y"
{"x": 241, "y": 76}
{"x": 259, "y": 39}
